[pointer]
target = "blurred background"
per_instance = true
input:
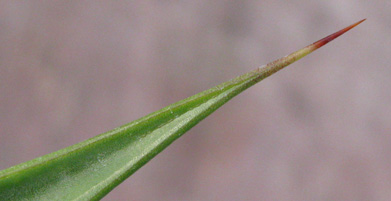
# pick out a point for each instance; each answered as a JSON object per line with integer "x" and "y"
{"x": 317, "y": 130}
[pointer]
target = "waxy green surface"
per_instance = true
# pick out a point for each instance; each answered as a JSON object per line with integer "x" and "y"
{"x": 92, "y": 168}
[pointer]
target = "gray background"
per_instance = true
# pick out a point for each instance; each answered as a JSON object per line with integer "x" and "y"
{"x": 318, "y": 130}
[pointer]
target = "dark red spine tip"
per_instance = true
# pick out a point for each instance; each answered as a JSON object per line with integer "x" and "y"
{"x": 331, "y": 37}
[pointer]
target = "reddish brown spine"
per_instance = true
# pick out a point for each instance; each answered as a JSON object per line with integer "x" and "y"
{"x": 331, "y": 37}
{"x": 278, "y": 64}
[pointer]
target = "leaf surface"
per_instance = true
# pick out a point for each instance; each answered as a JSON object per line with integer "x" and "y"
{"x": 92, "y": 168}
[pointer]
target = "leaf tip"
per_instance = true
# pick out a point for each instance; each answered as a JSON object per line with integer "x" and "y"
{"x": 333, "y": 36}
{"x": 278, "y": 64}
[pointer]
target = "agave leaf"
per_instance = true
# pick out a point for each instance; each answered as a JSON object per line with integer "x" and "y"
{"x": 92, "y": 168}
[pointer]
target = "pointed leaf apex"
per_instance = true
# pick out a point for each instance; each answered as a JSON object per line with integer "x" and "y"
{"x": 278, "y": 64}
{"x": 331, "y": 37}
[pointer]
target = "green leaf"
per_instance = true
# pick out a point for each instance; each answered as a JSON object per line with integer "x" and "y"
{"x": 92, "y": 168}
